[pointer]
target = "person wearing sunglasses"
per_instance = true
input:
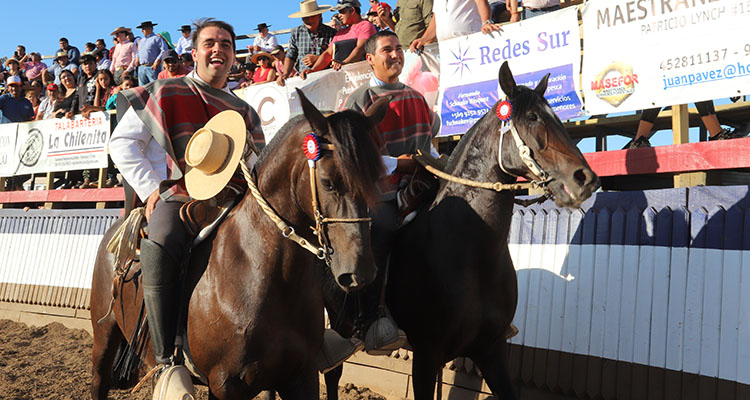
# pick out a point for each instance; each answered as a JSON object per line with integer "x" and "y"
{"x": 171, "y": 65}
{"x": 354, "y": 35}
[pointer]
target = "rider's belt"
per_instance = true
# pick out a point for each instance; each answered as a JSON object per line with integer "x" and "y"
{"x": 550, "y": 8}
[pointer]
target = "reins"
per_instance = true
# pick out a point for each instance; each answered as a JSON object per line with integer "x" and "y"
{"x": 325, "y": 250}
{"x": 496, "y": 186}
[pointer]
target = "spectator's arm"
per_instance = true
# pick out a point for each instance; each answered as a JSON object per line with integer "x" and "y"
{"x": 429, "y": 36}
{"x": 512, "y": 7}
{"x": 133, "y": 59}
{"x": 484, "y": 12}
{"x": 76, "y": 55}
{"x": 386, "y": 17}
{"x": 426, "y": 12}
{"x": 324, "y": 60}
{"x": 285, "y": 71}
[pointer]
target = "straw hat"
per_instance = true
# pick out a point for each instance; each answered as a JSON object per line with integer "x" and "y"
{"x": 259, "y": 54}
{"x": 120, "y": 29}
{"x": 308, "y": 8}
{"x": 213, "y": 153}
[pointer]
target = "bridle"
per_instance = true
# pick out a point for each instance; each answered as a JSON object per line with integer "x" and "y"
{"x": 524, "y": 152}
{"x": 312, "y": 147}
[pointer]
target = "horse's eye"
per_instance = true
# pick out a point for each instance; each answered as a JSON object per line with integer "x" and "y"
{"x": 532, "y": 117}
{"x": 327, "y": 185}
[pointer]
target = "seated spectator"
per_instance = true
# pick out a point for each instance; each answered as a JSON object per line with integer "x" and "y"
{"x": 33, "y": 98}
{"x": 20, "y": 54}
{"x": 89, "y": 48}
{"x": 101, "y": 46}
{"x": 247, "y": 76}
{"x": 63, "y": 64}
{"x": 456, "y": 18}
{"x": 67, "y": 106}
{"x": 187, "y": 61}
{"x": 36, "y": 88}
{"x": 48, "y": 103}
{"x": 308, "y": 40}
{"x": 708, "y": 117}
{"x": 265, "y": 41}
{"x": 358, "y": 30}
{"x": 279, "y": 55}
{"x": 14, "y": 69}
{"x": 128, "y": 82}
{"x": 87, "y": 81}
{"x": 105, "y": 88}
{"x": 101, "y": 61}
{"x": 381, "y": 24}
{"x": 34, "y": 68}
{"x": 14, "y": 106}
{"x": 185, "y": 43}
{"x": 172, "y": 67}
{"x": 265, "y": 71}
{"x": 74, "y": 54}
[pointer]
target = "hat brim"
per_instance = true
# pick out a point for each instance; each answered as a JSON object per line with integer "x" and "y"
{"x": 145, "y": 26}
{"x": 259, "y": 54}
{"x": 320, "y": 10}
{"x": 201, "y": 185}
{"x": 340, "y": 7}
{"x": 121, "y": 29}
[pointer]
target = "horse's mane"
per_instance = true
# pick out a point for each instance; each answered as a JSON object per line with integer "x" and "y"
{"x": 356, "y": 155}
{"x": 354, "y": 152}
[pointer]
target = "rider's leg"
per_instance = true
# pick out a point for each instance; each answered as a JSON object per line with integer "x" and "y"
{"x": 161, "y": 255}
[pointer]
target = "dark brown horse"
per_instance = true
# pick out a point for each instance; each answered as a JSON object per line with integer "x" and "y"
{"x": 451, "y": 285}
{"x": 255, "y": 314}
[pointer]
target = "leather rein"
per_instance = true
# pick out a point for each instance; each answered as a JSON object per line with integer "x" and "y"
{"x": 325, "y": 249}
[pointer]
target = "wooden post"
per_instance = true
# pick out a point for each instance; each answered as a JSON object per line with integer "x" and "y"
{"x": 50, "y": 184}
{"x": 680, "y": 135}
{"x": 2, "y": 184}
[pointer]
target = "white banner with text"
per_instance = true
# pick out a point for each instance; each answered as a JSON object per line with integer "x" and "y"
{"x": 54, "y": 145}
{"x": 642, "y": 54}
{"x": 469, "y": 67}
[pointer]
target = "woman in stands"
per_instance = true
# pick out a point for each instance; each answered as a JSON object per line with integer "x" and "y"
{"x": 127, "y": 82}
{"x": 68, "y": 105}
{"x": 265, "y": 71}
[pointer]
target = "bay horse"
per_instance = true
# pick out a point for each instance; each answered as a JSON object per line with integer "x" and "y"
{"x": 451, "y": 284}
{"x": 255, "y": 311}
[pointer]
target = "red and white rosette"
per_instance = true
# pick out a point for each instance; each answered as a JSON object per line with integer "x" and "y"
{"x": 503, "y": 110}
{"x": 311, "y": 147}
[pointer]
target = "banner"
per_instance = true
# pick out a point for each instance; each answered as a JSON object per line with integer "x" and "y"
{"x": 54, "y": 145}
{"x": 469, "y": 67}
{"x": 329, "y": 89}
{"x": 652, "y": 53}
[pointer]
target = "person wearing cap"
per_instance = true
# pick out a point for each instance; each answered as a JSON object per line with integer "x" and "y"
{"x": 173, "y": 68}
{"x": 101, "y": 61}
{"x": 307, "y": 41}
{"x": 149, "y": 49}
{"x": 123, "y": 56}
{"x": 34, "y": 68}
{"x": 74, "y": 54}
{"x": 358, "y": 30}
{"x": 279, "y": 55}
{"x": 264, "y": 41}
{"x": 149, "y": 149}
{"x": 457, "y": 18}
{"x": 87, "y": 81}
{"x": 48, "y": 103}
{"x": 15, "y": 107}
{"x": 184, "y": 43}
{"x": 64, "y": 64}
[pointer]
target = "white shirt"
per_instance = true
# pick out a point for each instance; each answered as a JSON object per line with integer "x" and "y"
{"x": 140, "y": 158}
{"x": 183, "y": 44}
{"x": 455, "y": 18}
{"x": 267, "y": 44}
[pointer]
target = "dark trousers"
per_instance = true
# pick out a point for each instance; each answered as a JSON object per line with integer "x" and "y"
{"x": 166, "y": 229}
{"x": 386, "y": 220}
{"x": 704, "y": 108}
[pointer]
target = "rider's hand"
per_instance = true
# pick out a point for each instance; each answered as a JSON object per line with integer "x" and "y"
{"x": 151, "y": 203}
{"x": 406, "y": 164}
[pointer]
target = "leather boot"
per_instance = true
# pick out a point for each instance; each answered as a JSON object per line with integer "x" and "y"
{"x": 161, "y": 296}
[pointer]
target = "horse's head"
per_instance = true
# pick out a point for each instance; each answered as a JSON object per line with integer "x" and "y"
{"x": 553, "y": 158}
{"x": 344, "y": 184}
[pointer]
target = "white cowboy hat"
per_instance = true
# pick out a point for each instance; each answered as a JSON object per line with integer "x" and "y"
{"x": 308, "y": 8}
{"x": 213, "y": 153}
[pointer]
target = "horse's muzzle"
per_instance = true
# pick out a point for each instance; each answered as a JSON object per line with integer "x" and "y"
{"x": 351, "y": 281}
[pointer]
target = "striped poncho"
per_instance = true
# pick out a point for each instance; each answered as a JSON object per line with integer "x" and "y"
{"x": 174, "y": 109}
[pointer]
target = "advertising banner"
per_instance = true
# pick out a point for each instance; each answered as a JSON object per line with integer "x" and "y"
{"x": 329, "y": 89}
{"x": 55, "y": 145}
{"x": 469, "y": 67}
{"x": 651, "y": 53}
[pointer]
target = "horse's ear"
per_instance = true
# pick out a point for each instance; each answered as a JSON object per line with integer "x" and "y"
{"x": 376, "y": 112}
{"x": 507, "y": 82}
{"x": 317, "y": 121}
{"x": 542, "y": 86}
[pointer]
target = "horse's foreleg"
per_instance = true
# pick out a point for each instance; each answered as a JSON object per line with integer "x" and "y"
{"x": 304, "y": 387}
{"x": 494, "y": 367}
{"x": 107, "y": 339}
{"x": 332, "y": 378}
{"x": 424, "y": 372}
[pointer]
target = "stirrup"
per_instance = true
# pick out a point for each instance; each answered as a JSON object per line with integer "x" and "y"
{"x": 174, "y": 382}
{"x": 335, "y": 350}
{"x": 383, "y": 337}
